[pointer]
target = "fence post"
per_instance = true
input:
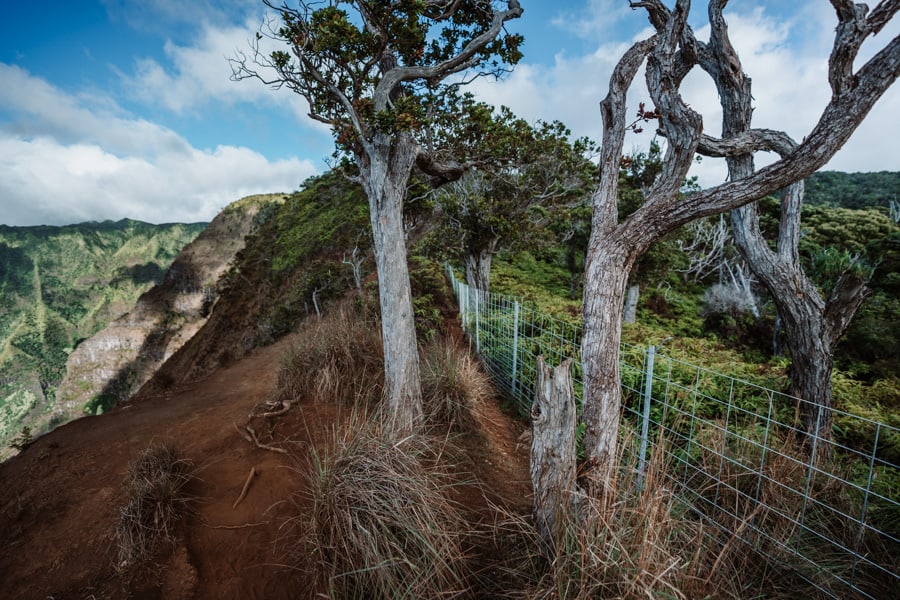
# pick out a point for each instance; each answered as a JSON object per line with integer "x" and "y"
{"x": 477, "y": 321}
{"x": 645, "y": 422}
{"x": 553, "y": 449}
{"x": 515, "y": 356}
{"x": 865, "y": 506}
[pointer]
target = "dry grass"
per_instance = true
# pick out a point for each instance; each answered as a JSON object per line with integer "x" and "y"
{"x": 154, "y": 489}
{"x": 337, "y": 358}
{"x": 382, "y": 524}
{"x": 629, "y": 544}
{"x": 765, "y": 512}
{"x": 454, "y": 387}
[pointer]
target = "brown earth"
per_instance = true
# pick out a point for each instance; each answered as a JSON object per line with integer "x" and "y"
{"x": 59, "y": 499}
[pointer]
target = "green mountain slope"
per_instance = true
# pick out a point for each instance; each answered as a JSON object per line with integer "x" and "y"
{"x": 59, "y": 286}
{"x": 853, "y": 190}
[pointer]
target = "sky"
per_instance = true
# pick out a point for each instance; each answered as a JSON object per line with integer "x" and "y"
{"x": 115, "y": 109}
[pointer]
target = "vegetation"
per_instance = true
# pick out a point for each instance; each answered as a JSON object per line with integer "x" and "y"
{"x": 382, "y": 524}
{"x": 60, "y": 285}
{"x": 614, "y": 247}
{"x": 292, "y": 259}
{"x": 853, "y": 190}
{"x": 155, "y": 502}
{"x": 502, "y": 205}
{"x": 454, "y": 386}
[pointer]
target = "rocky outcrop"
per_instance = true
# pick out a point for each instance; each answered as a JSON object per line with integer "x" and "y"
{"x": 115, "y": 362}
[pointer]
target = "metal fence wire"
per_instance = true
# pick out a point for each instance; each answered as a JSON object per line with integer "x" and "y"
{"x": 737, "y": 455}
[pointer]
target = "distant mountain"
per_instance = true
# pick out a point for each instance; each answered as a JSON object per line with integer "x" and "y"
{"x": 853, "y": 190}
{"x": 115, "y": 362}
{"x": 61, "y": 285}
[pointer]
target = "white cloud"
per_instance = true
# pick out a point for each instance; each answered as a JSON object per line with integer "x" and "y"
{"x": 43, "y": 181}
{"x": 199, "y": 75}
{"x": 596, "y": 20}
{"x": 65, "y": 162}
{"x": 38, "y": 108}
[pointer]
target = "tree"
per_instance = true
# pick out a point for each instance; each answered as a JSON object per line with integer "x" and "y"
{"x": 671, "y": 53}
{"x": 378, "y": 78}
{"x": 524, "y": 171}
{"x": 637, "y": 173}
{"x": 813, "y": 321}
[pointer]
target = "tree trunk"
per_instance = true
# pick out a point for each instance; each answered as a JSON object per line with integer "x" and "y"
{"x": 811, "y": 365}
{"x": 553, "y": 449}
{"x": 606, "y": 280}
{"x": 385, "y": 176}
{"x": 478, "y": 267}
{"x": 811, "y": 334}
{"x": 631, "y": 302}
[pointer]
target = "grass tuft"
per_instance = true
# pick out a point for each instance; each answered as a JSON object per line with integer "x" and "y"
{"x": 154, "y": 489}
{"x": 632, "y": 543}
{"x": 454, "y": 387}
{"x": 337, "y": 358}
{"x": 382, "y": 524}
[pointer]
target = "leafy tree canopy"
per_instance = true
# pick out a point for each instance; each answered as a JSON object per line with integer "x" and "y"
{"x": 381, "y": 67}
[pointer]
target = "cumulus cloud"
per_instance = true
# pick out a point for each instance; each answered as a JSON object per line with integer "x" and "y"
{"x": 198, "y": 74}
{"x": 61, "y": 161}
{"x": 35, "y": 107}
{"x": 596, "y": 20}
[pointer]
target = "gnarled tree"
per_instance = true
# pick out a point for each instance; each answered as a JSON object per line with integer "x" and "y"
{"x": 671, "y": 53}
{"x": 813, "y": 323}
{"x": 375, "y": 77}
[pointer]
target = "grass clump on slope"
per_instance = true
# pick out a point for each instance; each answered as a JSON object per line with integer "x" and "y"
{"x": 155, "y": 501}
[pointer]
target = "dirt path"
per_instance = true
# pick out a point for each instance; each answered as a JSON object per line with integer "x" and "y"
{"x": 59, "y": 499}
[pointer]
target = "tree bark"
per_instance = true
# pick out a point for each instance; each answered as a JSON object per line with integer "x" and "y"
{"x": 553, "y": 449}
{"x": 810, "y": 331}
{"x": 602, "y": 335}
{"x": 478, "y": 267}
{"x": 631, "y": 303}
{"x": 385, "y": 173}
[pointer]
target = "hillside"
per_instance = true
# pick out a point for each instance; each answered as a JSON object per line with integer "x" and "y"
{"x": 65, "y": 492}
{"x": 275, "y": 397}
{"x": 853, "y": 190}
{"x": 114, "y": 363}
{"x": 59, "y": 286}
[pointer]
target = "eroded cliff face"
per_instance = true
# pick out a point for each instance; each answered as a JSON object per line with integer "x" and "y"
{"x": 114, "y": 363}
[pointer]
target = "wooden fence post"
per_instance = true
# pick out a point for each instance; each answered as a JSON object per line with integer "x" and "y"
{"x": 553, "y": 451}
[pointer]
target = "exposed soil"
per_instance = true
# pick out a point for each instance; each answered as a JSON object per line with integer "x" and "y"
{"x": 59, "y": 499}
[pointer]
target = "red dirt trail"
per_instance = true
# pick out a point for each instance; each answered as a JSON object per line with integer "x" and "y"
{"x": 59, "y": 499}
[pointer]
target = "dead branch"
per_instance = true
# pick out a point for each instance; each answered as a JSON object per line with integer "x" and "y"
{"x": 285, "y": 406}
{"x": 246, "y": 487}
{"x": 244, "y": 526}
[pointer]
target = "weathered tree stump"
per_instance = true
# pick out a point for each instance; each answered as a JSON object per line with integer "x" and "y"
{"x": 553, "y": 451}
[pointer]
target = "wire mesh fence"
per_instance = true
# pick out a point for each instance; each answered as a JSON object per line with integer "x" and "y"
{"x": 737, "y": 453}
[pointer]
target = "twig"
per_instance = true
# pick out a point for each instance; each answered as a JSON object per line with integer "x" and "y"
{"x": 243, "y": 434}
{"x": 246, "y": 487}
{"x": 244, "y": 526}
{"x": 259, "y": 444}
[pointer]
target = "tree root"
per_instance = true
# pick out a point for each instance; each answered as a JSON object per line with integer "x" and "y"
{"x": 246, "y": 487}
{"x": 250, "y": 435}
{"x": 285, "y": 406}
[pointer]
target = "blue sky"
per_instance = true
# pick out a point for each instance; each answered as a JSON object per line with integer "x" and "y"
{"x": 124, "y": 108}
